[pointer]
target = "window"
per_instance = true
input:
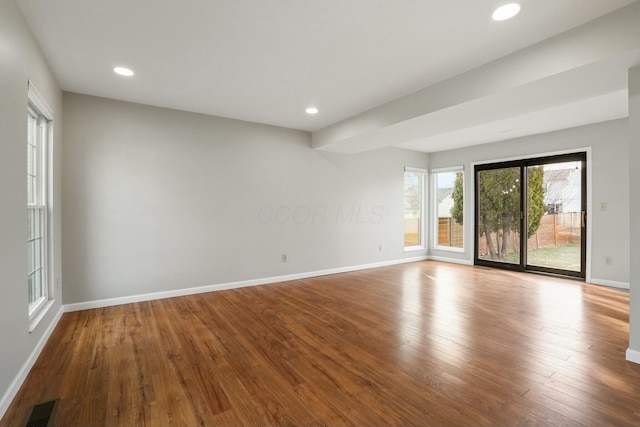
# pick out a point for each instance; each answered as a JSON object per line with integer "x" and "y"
{"x": 38, "y": 127}
{"x": 449, "y": 208}
{"x": 414, "y": 208}
{"x": 554, "y": 208}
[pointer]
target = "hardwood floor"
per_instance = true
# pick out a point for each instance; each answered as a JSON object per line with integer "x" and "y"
{"x": 426, "y": 343}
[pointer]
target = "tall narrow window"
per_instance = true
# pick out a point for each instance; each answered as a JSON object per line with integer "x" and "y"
{"x": 449, "y": 208}
{"x": 38, "y": 117}
{"x": 414, "y": 208}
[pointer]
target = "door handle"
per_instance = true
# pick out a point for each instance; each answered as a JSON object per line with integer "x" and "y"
{"x": 584, "y": 224}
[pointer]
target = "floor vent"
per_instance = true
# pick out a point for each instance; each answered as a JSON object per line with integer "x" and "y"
{"x": 42, "y": 414}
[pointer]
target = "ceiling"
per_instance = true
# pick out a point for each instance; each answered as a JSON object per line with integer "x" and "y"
{"x": 265, "y": 61}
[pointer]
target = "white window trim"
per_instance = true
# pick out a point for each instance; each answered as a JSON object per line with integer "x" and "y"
{"x": 447, "y": 169}
{"x": 416, "y": 170}
{"x": 39, "y": 103}
{"x": 424, "y": 176}
{"x": 39, "y": 106}
{"x": 434, "y": 211}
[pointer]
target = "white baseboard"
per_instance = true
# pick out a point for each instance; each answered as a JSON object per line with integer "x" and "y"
{"x": 452, "y": 260}
{"x": 8, "y": 396}
{"x": 610, "y": 283}
{"x": 232, "y": 285}
{"x": 633, "y": 356}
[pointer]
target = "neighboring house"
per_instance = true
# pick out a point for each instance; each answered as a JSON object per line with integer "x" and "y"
{"x": 562, "y": 190}
{"x": 445, "y": 202}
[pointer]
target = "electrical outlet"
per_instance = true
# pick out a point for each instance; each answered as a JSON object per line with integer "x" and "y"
{"x": 284, "y": 257}
{"x": 608, "y": 260}
{"x": 379, "y": 248}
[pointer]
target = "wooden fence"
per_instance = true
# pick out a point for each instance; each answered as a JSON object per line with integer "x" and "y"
{"x": 554, "y": 230}
{"x": 450, "y": 233}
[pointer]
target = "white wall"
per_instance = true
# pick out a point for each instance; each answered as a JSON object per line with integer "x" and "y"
{"x": 610, "y": 173}
{"x": 159, "y": 200}
{"x": 21, "y": 61}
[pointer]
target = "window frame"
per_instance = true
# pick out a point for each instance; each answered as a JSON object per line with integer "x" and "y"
{"x": 434, "y": 215}
{"x": 40, "y": 201}
{"x": 423, "y": 175}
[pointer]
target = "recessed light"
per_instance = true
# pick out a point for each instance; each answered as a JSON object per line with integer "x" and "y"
{"x": 312, "y": 110}
{"x": 506, "y": 11}
{"x": 123, "y": 71}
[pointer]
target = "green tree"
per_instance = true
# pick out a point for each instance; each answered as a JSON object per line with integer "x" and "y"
{"x": 499, "y": 210}
{"x": 535, "y": 199}
{"x": 457, "y": 210}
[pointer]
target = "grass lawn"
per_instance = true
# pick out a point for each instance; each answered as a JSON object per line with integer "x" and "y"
{"x": 565, "y": 257}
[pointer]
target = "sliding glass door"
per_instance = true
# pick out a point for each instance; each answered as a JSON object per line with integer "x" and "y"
{"x": 531, "y": 215}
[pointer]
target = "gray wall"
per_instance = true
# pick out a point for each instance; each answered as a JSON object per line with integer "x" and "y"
{"x": 610, "y": 176}
{"x": 634, "y": 196}
{"x": 158, "y": 200}
{"x": 20, "y": 61}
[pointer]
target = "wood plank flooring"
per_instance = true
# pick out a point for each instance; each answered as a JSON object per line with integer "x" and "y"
{"x": 425, "y": 343}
